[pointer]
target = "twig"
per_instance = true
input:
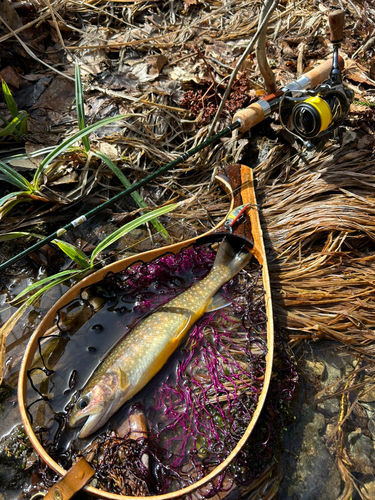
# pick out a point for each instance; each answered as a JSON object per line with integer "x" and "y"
{"x": 209, "y": 71}
{"x": 56, "y": 25}
{"x": 264, "y": 67}
{"x": 239, "y": 64}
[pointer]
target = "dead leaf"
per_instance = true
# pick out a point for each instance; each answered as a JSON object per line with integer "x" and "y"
{"x": 366, "y": 141}
{"x": 32, "y": 148}
{"x": 372, "y": 70}
{"x": 62, "y": 26}
{"x": 156, "y": 63}
{"x": 11, "y": 77}
{"x": 22, "y": 165}
{"x": 149, "y": 69}
{"x": 5, "y": 331}
{"x": 358, "y": 73}
{"x": 182, "y": 74}
{"x": 57, "y": 98}
{"x": 65, "y": 179}
{"x": 9, "y": 15}
{"x": 108, "y": 150}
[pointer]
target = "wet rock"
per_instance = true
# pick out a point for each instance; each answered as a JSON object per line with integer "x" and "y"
{"x": 329, "y": 406}
{"x": 15, "y": 450}
{"x": 313, "y": 370}
{"x": 361, "y": 452}
{"x": 368, "y": 394}
{"x": 368, "y": 489}
{"x": 370, "y": 412}
{"x": 311, "y": 471}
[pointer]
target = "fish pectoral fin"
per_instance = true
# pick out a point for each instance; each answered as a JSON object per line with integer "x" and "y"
{"x": 218, "y": 301}
{"x": 123, "y": 380}
{"x": 181, "y": 334}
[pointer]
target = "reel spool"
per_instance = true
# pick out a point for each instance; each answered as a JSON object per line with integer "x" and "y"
{"x": 323, "y": 110}
{"x": 311, "y": 117}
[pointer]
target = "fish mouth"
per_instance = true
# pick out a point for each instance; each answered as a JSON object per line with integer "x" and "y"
{"x": 93, "y": 423}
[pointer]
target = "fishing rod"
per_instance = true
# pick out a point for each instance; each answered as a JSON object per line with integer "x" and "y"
{"x": 83, "y": 218}
{"x": 309, "y": 107}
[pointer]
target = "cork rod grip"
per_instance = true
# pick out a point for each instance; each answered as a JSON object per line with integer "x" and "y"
{"x": 336, "y": 21}
{"x": 321, "y": 72}
{"x": 249, "y": 116}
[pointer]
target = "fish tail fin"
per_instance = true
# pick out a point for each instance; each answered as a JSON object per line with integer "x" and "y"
{"x": 232, "y": 258}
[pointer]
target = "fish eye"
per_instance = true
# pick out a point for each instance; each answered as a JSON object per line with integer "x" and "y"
{"x": 82, "y": 403}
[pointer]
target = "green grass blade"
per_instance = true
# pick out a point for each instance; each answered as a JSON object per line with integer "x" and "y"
{"x": 73, "y": 253}
{"x": 7, "y": 206}
{"x": 10, "y": 102}
{"x": 128, "y": 227}
{"x": 51, "y": 281}
{"x": 23, "y": 124}
{"x": 45, "y": 289}
{"x": 135, "y": 195}
{"x": 70, "y": 141}
{"x": 15, "y": 178}
{"x": 11, "y": 128}
{"x": 81, "y": 108}
{"x": 19, "y": 234}
{"x": 8, "y": 196}
{"x": 34, "y": 154}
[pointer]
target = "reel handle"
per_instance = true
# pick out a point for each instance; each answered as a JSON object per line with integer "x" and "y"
{"x": 336, "y": 20}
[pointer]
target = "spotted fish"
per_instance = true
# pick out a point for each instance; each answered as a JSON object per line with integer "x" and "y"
{"x": 133, "y": 362}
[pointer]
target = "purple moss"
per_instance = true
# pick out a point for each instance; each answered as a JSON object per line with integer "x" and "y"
{"x": 209, "y": 391}
{"x": 205, "y": 404}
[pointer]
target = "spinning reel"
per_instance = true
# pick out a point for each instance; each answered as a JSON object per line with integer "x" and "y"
{"x": 314, "y": 104}
{"x": 314, "y": 113}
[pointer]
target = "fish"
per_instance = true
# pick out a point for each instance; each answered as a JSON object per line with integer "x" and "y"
{"x": 135, "y": 360}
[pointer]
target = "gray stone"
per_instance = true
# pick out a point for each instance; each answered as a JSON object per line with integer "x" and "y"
{"x": 361, "y": 452}
{"x": 368, "y": 394}
{"x": 311, "y": 471}
{"x": 370, "y": 412}
{"x": 368, "y": 489}
{"x": 371, "y": 427}
{"x": 331, "y": 405}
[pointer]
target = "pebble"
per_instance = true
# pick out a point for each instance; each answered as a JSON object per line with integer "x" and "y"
{"x": 368, "y": 489}
{"x": 361, "y": 452}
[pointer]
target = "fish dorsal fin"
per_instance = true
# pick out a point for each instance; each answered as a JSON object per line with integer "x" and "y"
{"x": 218, "y": 301}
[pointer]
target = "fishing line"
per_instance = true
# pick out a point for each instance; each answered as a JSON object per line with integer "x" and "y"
{"x": 33, "y": 403}
{"x": 29, "y": 372}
